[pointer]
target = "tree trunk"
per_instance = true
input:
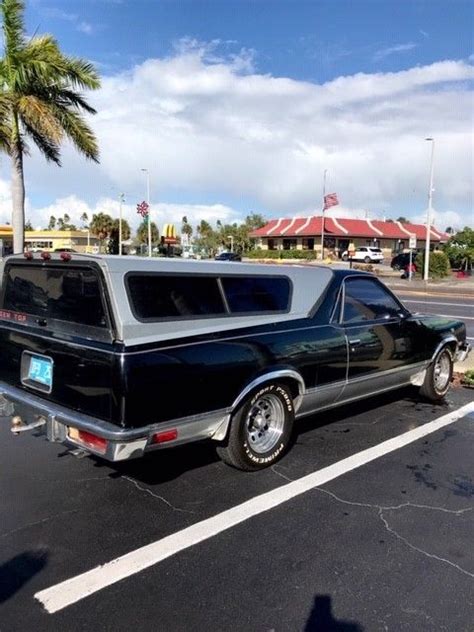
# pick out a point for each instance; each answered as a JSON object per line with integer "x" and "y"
{"x": 18, "y": 198}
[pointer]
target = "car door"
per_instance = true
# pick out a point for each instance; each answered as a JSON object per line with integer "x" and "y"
{"x": 383, "y": 346}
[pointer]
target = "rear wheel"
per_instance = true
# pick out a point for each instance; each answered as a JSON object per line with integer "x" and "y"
{"x": 438, "y": 376}
{"x": 367, "y": 260}
{"x": 260, "y": 431}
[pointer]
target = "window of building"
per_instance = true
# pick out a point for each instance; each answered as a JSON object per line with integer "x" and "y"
{"x": 308, "y": 244}
{"x": 289, "y": 244}
{"x": 271, "y": 244}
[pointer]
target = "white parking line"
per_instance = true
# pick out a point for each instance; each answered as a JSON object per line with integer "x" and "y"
{"x": 72, "y": 590}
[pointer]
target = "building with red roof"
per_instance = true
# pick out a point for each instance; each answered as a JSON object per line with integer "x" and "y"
{"x": 304, "y": 233}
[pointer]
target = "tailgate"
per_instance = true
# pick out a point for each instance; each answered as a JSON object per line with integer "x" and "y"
{"x": 56, "y": 338}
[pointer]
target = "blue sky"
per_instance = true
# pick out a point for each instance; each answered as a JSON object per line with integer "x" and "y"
{"x": 240, "y": 106}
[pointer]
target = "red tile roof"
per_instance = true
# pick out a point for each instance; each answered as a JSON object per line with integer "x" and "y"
{"x": 343, "y": 227}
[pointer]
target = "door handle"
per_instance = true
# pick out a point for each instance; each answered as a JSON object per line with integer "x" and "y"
{"x": 354, "y": 342}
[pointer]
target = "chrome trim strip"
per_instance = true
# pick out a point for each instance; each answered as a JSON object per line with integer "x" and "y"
{"x": 443, "y": 343}
{"x": 278, "y": 374}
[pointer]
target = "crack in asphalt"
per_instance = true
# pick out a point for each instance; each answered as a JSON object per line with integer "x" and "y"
{"x": 37, "y": 522}
{"x": 148, "y": 491}
{"x": 382, "y": 508}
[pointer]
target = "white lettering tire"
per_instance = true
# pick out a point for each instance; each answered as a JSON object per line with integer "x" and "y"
{"x": 260, "y": 431}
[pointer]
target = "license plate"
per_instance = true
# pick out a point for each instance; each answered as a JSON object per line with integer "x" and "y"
{"x": 41, "y": 371}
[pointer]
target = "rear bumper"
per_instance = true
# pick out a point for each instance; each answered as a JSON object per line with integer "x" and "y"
{"x": 121, "y": 443}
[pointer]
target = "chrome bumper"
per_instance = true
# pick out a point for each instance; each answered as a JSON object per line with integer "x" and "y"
{"x": 462, "y": 352}
{"x": 122, "y": 444}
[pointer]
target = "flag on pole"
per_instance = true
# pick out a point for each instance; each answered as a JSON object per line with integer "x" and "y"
{"x": 330, "y": 200}
{"x": 143, "y": 209}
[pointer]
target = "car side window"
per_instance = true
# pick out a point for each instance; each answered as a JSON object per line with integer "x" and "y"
{"x": 366, "y": 299}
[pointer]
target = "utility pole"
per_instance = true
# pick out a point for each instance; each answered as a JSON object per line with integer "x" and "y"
{"x": 121, "y": 200}
{"x": 149, "y": 209}
{"x": 324, "y": 204}
{"x": 429, "y": 214}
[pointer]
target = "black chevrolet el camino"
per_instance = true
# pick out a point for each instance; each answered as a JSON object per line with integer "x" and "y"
{"x": 121, "y": 355}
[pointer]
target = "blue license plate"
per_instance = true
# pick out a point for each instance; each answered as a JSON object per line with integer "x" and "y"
{"x": 41, "y": 371}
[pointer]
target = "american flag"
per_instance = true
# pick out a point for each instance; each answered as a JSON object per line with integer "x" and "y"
{"x": 330, "y": 200}
{"x": 142, "y": 209}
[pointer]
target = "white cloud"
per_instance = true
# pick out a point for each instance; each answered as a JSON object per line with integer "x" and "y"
{"x": 392, "y": 50}
{"x": 208, "y": 127}
{"x": 85, "y": 27}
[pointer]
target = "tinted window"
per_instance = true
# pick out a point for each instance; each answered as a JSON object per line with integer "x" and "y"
{"x": 256, "y": 294}
{"x": 365, "y": 299}
{"x": 163, "y": 296}
{"x": 51, "y": 292}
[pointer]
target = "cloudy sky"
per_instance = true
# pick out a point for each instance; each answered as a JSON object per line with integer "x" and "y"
{"x": 236, "y": 107}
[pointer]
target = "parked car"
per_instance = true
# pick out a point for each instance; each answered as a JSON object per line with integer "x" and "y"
{"x": 228, "y": 256}
{"x": 123, "y": 356}
{"x": 402, "y": 260}
{"x": 365, "y": 254}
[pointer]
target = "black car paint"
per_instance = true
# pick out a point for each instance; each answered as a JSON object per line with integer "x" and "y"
{"x": 139, "y": 385}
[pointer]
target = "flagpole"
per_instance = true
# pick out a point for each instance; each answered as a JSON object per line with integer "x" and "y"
{"x": 322, "y": 229}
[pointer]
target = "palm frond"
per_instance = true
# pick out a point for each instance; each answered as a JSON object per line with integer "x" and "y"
{"x": 48, "y": 148}
{"x": 77, "y": 130}
{"x": 38, "y": 116}
{"x": 12, "y": 12}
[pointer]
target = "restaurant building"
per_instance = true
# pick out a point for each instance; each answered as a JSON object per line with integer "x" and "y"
{"x": 340, "y": 234}
{"x": 50, "y": 240}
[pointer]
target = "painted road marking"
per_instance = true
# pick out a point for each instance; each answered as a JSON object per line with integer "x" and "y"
{"x": 436, "y": 303}
{"x": 76, "y": 588}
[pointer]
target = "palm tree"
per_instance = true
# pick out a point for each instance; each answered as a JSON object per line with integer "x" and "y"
{"x": 101, "y": 225}
{"x": 39, "y": 101}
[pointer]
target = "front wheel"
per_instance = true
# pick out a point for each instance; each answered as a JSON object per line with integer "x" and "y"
{"x": 438, "y": 376}
{"x": 260, "y": 431}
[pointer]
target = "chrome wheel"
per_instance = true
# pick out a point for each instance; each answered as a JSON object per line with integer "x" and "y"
{"x": 442, "y": 372}
{"x": 264, "y": 423}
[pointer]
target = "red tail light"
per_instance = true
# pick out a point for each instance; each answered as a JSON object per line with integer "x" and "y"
{"x": 166, "y": 435}
{"x": 92, "y": 441}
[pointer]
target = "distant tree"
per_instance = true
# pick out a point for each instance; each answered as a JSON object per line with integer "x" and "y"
{"x": 101, "y": 226}
{"x": 254, "y": 221}
{"x": 28, "y": 225}
{"x": 52, "y": 223}
{"x": 402, "y": 220}
{"x": 390, "y": 221}
{"x": 186, "y": 227}
{"x": 84, "y": 220}
{"x": 449, "y": 230}
{"x": 460, "y": 248}
{"x": 113, "y": 245}
{"x": 142, "y": 233}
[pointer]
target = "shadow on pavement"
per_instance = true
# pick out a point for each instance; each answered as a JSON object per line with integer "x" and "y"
{"x": 321, "y": 618}
{"x": 15, "y": 573}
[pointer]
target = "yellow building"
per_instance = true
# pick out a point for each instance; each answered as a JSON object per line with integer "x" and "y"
{"x": 6, "y": 240}
{"x": 50, "y": 240}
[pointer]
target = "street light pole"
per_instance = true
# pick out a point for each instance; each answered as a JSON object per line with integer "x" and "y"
{"x": 121, "y": 199}
{"x": 149, "y": 209}
{"x": 322, "y": 228}
{"x": 429, "y": 214}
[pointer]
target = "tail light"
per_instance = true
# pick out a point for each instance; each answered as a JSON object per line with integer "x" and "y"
{"x": 164, "y": 436}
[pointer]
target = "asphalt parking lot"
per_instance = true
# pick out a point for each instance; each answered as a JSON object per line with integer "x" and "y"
{"x": 385, "y": 545}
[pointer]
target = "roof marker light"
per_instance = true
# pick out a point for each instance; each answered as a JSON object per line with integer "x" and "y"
{"x": 28, "y": 255}
{"x": 46, "y": 256}
{"x": 65, "y": 256}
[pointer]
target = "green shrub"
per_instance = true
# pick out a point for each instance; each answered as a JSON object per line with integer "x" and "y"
{"x": 439, "y": 264}
{"x": 307, "y": 255}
